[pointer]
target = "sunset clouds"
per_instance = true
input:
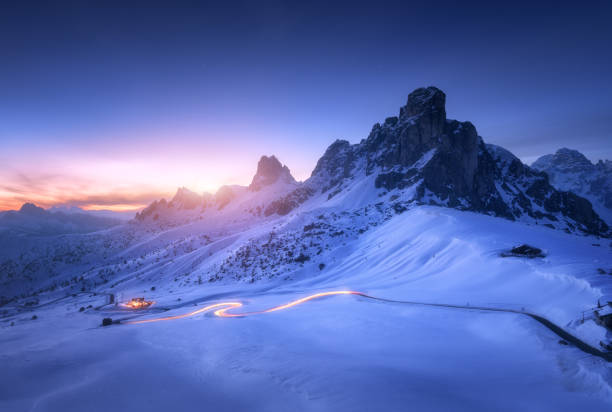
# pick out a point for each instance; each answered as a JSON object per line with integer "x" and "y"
{"x": 48, "y": 190}
{"x": 128, "y": 174}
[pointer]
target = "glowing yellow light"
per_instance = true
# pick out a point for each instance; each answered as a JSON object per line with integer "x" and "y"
{"x": 137, "y": 303}
{"x": 186, "y": 315}
{"x": 225, "y": 306}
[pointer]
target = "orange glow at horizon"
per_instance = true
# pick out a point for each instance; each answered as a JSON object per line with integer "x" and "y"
{"x": 225, "y": 306}
{"x": 125, "y": 170}
{"x": 116, "y": 185}
{"x": 116, "y": 208}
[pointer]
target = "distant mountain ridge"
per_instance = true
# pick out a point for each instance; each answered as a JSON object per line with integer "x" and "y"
{"x": 33, "y": 220}
{"x": 121, "y": 215}
{"x": 272, "y": 180}
{"x": 570, "y": 170}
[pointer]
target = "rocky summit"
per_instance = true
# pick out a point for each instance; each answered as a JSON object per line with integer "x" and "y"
{"x": 269, "y": 171}
{"x": 570, "y": 170}
{"x": 425, "y": 158}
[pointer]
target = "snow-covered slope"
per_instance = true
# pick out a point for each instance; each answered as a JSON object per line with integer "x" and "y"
{"x": 341, "y": 353}
{"x": 570, "y": 170}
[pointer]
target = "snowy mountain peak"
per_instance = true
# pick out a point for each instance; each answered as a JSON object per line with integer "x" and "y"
{"x": 269, "y": 171}
{"x": 566, "y": 160}
{"x": 570, "y": 170}
{"x": 186, "y": 199}
{"x": 425, "y": 158}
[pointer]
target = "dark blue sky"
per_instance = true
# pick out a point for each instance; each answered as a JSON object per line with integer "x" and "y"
{"x": 250, "y": 78}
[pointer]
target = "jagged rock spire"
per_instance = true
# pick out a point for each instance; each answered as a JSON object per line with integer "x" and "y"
{"x": 424, "y": 100}
{"x": 428, "y": 104}
{"x": 269, "y": 171}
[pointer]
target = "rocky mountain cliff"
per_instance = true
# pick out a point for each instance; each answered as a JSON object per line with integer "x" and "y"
{"x": 422, "y": 157}
{"x": 570, "y": 170}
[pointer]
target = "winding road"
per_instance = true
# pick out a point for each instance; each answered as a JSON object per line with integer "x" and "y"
{"x": 222, "y": 310}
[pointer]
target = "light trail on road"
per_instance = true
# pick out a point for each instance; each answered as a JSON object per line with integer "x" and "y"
{"x": 186, "y": 315}
{"x": 223, "y": 307}
{"x": 221, "y": 310}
